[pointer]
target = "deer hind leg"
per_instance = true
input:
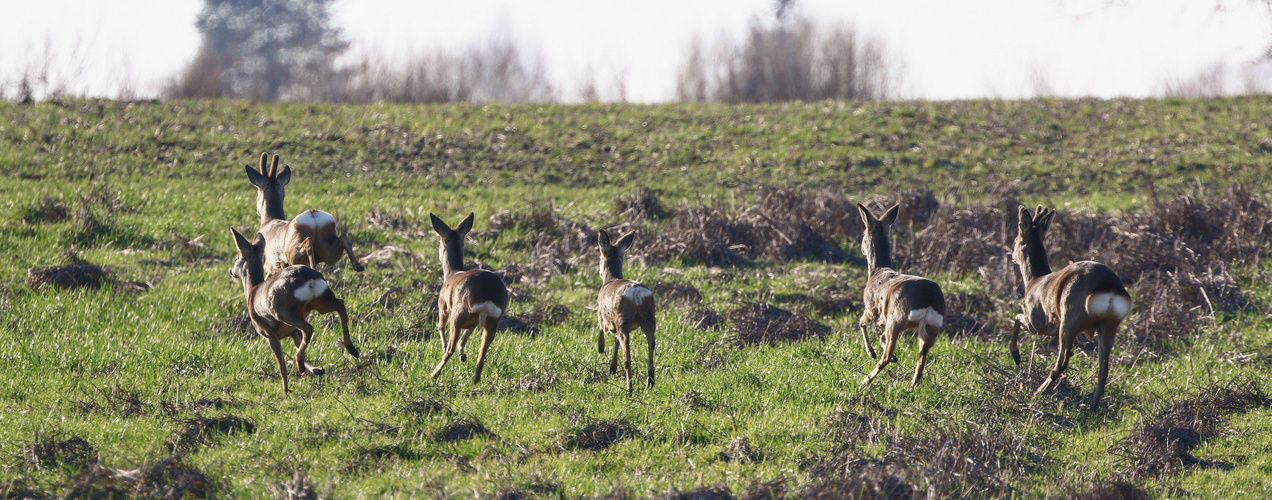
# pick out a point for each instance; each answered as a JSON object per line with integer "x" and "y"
{"x": 303, "y": 336}
{"x": 648, "y": 327}
{"x": 275, "y": 346}
{"x": 463, "y": 342}
{"x": 329, "y": 303}
{"x": 927, "y": 339}
{"x": 625, "y": 343}
{"x": 489, "y": 328}
{"x": 1068, "y": 332}
{"x": 890, "y": 334}
{"x": 1014, "y": 346}
{"x": 1105, "y": 333}
{"x": 618, "y": 345}
{"x": 600, "y": 336}
{"x": 450, "y": 349}
{"x": 348, "y": 248}
{"x": 865, "y": 339}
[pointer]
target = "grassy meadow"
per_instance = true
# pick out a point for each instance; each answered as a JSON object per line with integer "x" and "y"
{"x": 128, "y": 368}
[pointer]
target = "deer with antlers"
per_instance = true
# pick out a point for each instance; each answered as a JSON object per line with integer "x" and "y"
{"x": 468, "y": 300}
{"x": 1084, "y": 296}
{"x": 284, "y": 237}
{"x": 622, "y": 305}
{"x": 279, "y": 304}
{"x": 895, "y": 301}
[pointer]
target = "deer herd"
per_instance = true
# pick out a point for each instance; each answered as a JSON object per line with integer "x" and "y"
{"x": 282, "y": 286}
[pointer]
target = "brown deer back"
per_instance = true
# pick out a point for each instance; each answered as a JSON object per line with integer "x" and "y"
{"x": 624, "y": 301}
{"x": 891, "y": 295}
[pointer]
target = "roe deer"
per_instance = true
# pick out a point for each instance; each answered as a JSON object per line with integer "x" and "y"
{"x": 468, "y": 299}
{"x": 284, "y": 238}
{"x": 278, "y": 305}
{"x": 1085, "y": 296}
{"x": 621, "y": 305}
{"x": 895, "y": 301}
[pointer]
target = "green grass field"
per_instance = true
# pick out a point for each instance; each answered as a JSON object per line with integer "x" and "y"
{"x": 156, "y": 366}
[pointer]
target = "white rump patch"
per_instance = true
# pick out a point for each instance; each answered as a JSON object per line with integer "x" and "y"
{"x": 310, "y": 290}
{"x": 637, "y": 295}
{"x": 928, "y": 315}
{"x": 489, "y": 308}
{"x": 314, "y": 219}
{"x": 1107, "y": 304}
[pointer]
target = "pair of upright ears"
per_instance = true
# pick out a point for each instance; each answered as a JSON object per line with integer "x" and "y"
{"x": 888, "y": 217}
{"x": 444, "y": 230}
{"x": 603, "y": 240}
{"x": 262, "y": 178}
{"x": 244, "y": 246}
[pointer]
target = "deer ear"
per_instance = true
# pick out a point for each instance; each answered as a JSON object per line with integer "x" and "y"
{"x": 891, "y": 215}
{"x": 1024, "y": 219}
{"x": 259, "y": 241}
{"x": 1044, "y": 222}
{"x": 866, "y": 216}
{"x": 438, "y": 226}
{"x": 284, "y": 177}
{"x": 603, "y": 240}
{"x": 465, "y": 225}
{"x": 626, "y": 242}
{"x": 240, "y": 242}
{"x": 256, "y": 178}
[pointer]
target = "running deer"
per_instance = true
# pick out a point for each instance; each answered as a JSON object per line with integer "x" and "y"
{"x": 895, "y": 301}
{"x": 469, "y": 299}
{"x": 278, "y": 305}
{"x": 285, "y": 237}
{"x": 1085, "y": 296}
{"x": 621, "y": 305}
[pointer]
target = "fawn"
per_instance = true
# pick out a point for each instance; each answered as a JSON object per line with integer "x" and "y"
{"x": 1084, "y": 296}
{"x": 468, "y": 299}
{"x": 895, "y": 301}
{"x": 278, "y": 305}
{"x": 285, "y": 237}
{"x": 621, "y": 305}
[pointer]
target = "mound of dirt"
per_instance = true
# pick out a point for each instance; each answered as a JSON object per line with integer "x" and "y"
{"x": 51, "y": 451}
{"x": 596, "y": 435}
{"x": 166, "y": 478}
{"x": 202, "y": 430}
{"x": 461, "y": 429}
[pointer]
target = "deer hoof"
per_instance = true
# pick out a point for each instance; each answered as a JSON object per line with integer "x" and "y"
{"x": 358, "y": 268}
{"x": 463, "y": 357}
{"x": 353, "y": 351}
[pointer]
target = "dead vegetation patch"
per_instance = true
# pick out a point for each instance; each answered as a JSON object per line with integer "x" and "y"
{"x": 166, "y": 478}
{"x": 199, "y": 431}
{"x": 297, "y": 487}
{"x": 596, "y": 435}
{"x": 1163, "y": 446}
{"x": 371, "y": 459}
{"x": 48, "y": 209}
{"x": 641, "y": 204}
{"x": 740, "y": 449}
{"x": 760, "y": 323}
{"x": 420, "y": 407}
{"x": 56, "y": 450}
{"x": 74, "y": 272}
{"x": 1109, "y": 490}
{"x": 19, "y": 489}
{"x": 461, "y": 429}
{"x": 532, "y": 383}
{"x": 555, "y": 243}
{"x": 540, "y": 314}
{"x": 238, "y": 326}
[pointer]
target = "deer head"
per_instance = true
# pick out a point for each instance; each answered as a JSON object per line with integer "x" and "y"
{"x": 451, "y": 246}
{"x": 612, "y": 254}
{"x": 875, "y": 245}
{"x": 269, "y": 185}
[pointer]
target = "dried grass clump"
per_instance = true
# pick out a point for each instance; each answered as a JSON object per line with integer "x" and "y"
{"x": 19, "y": 489}
{"x": 641, "y": 204}
{"x": 760, "y": 323}
{"x": 47, "y": 210}
{"x": 420, "y": 407}
{"x": 296, "y": 488}
{"x": 166, "y": 478}
{"x": 202, "y": 430}
{"x": 554, "y": 241}
{"x": 532, "y": 383}
{"x": 702, "y": 493}
{"x": 965, "y": 459}
{"x": 1109, "y": 490}
{"x": 73, "y": 273}
{"x": 861, "y": 479}
{"x": 388, "y": 220}
{"x": 1164, "y": 445}
{"x": 596, "y": 435}
{"x": 740, "y": 449}
{"x": 962, "y": 241}
{"x": 461, "y": 429}
{"x": 52, "y": 451}
{"x": 540, "y": 314}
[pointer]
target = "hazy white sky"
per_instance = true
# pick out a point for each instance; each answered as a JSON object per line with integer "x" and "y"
{"x": 950, "y": 49}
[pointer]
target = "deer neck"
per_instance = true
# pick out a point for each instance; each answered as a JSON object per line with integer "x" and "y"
{"x": 611, "y": 270}
{"x": 269, "y": 205}
{"x": 452, "y": 254}
{"x": 881, "y": 252}
{"x": 254, "y": 276}
{"x": 1035, "y": 265}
